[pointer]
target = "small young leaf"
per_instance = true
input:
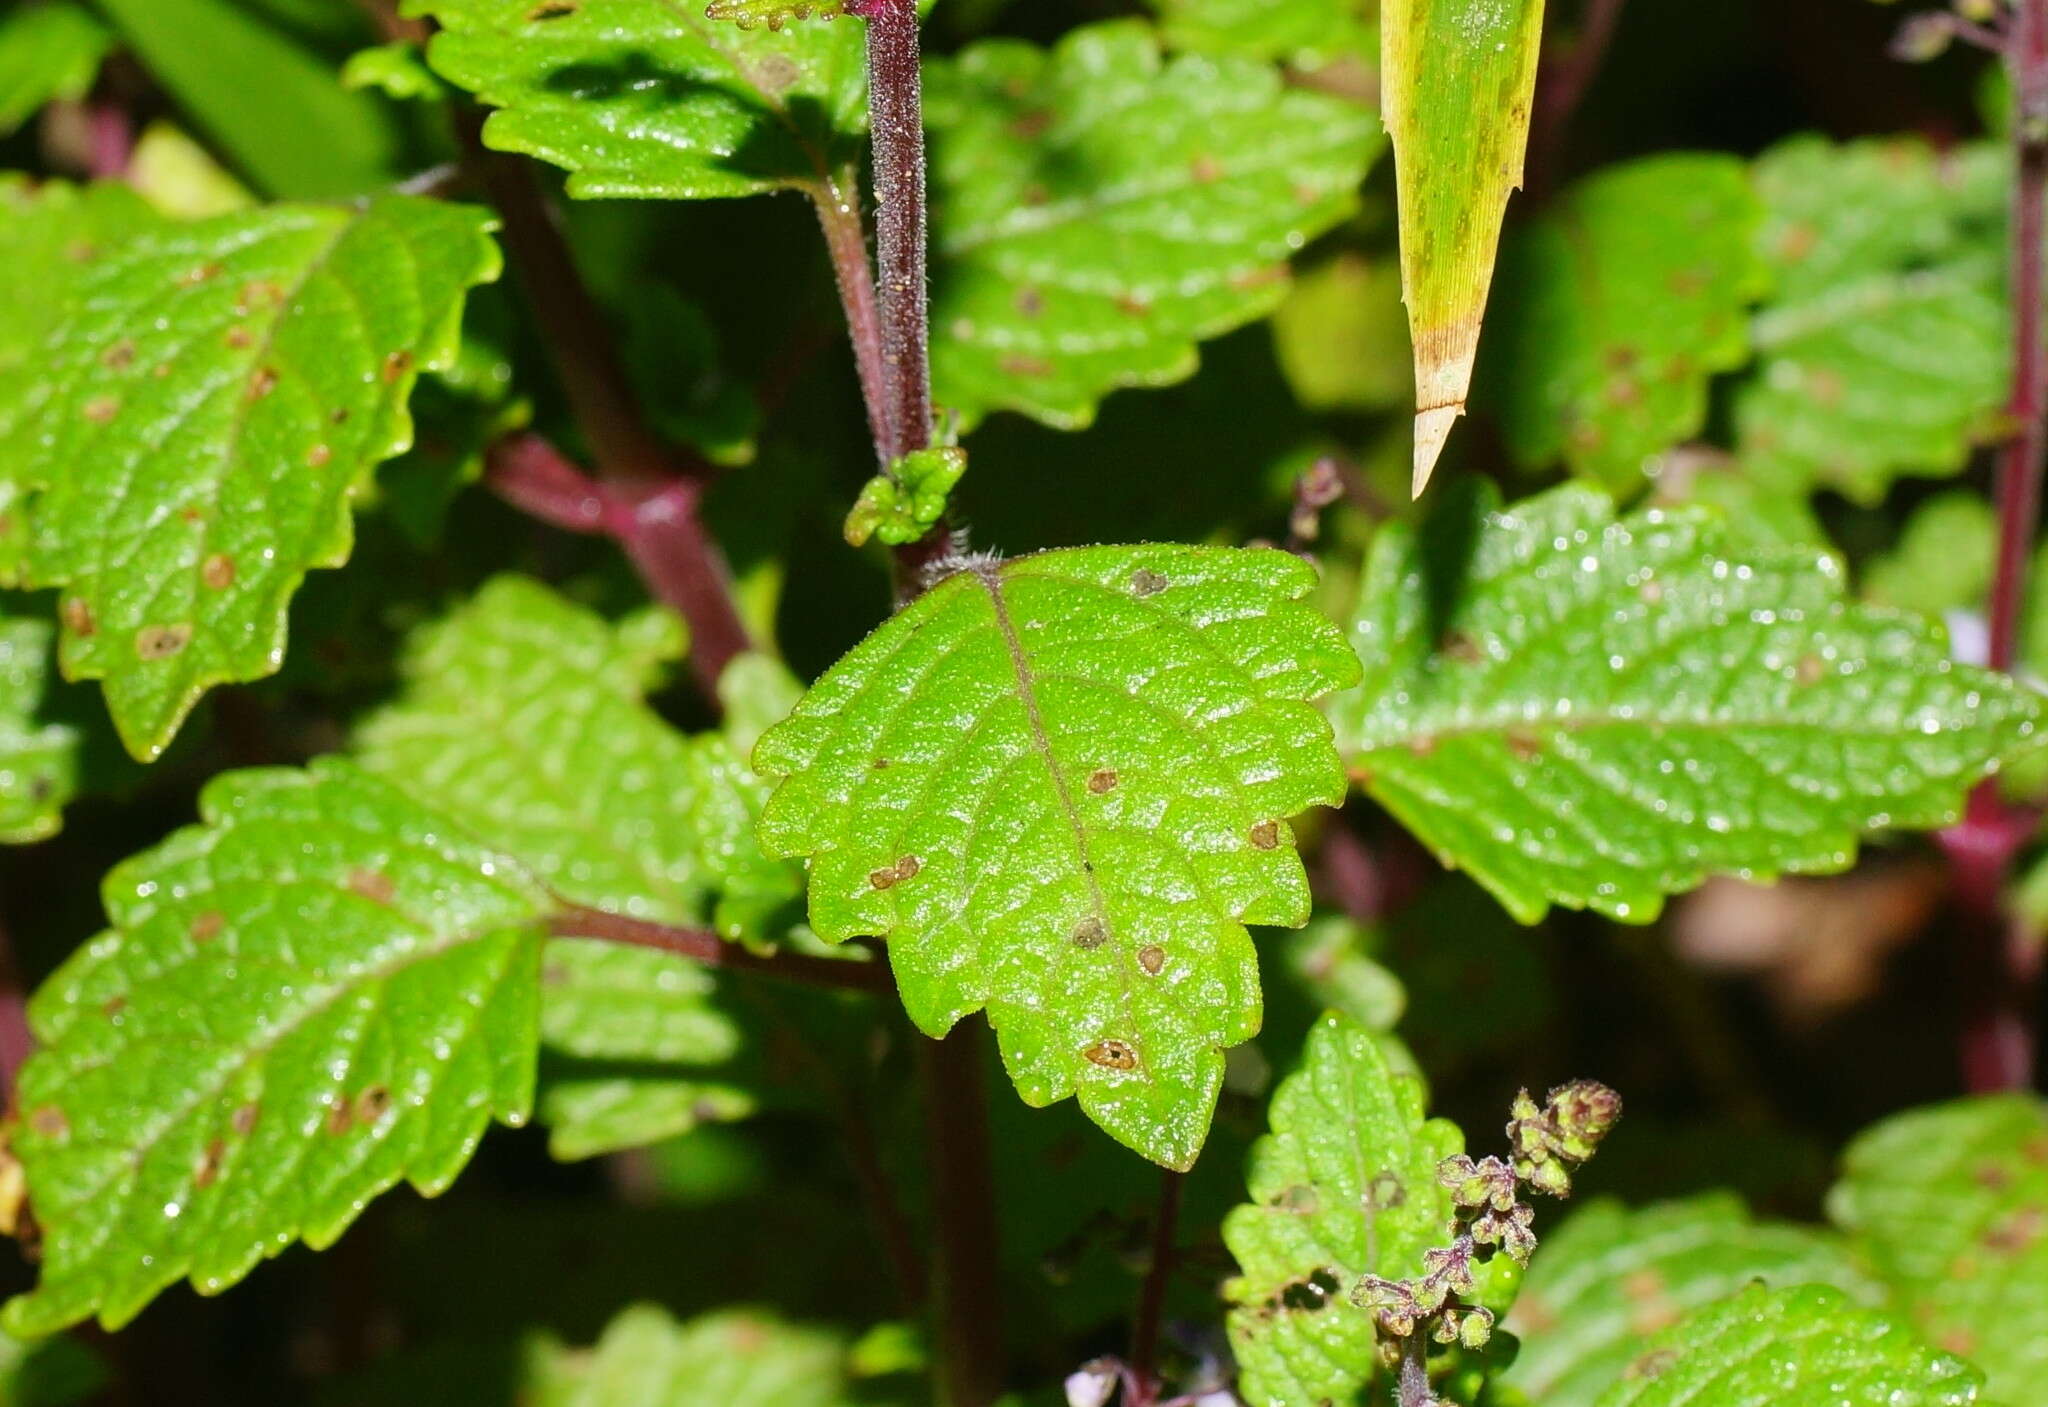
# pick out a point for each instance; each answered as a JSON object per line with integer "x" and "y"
{"x": 1098, "y": 210}
{"x": 1597, "y": 713}
{"x": 524, "y": 717}
{"x": 1458, "y": 78}
{"x": 735, "y": 1358}
{"x": 1951, "y": 1203}
{"x": 904, "y": 504}
{"x": 1609, "y": 1276}
{"x": 1060, "y": 787}
{"x": 47, "y": 52}
{"x": 1626, "y": 296}
{"x": 193, "y": 434}
{"x": 654, "y": 98}
{"x": 38, "y": 761}
{"x": 1805, "y": 1347}
{"x": 1344, "y": 1186}
{"x": 320, "y": 991}
{"x": 1882, "y": 350}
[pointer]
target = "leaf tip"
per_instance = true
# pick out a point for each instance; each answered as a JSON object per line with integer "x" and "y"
{"x": 1432, "y": 429}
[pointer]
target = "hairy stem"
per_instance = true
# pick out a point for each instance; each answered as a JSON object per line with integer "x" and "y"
{"x": 1411, "y": 1386}
{"x": 846, "y": 237}
{"x": 661, "y": 532}
{"x": 702, "y": 945}
{"x": 967, "y": 1332}
{"x": 1152, "y": 1296}
{"x": 896, "y": 119}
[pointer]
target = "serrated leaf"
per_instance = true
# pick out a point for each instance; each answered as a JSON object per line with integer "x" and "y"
{"x": 1805, "y": 1347}
{"x": 1951, "y": 1204}
{"x": 653, "y": 98}
{"x": 1628, "y": 295}
{"x": 1595, "y": 712}
{"x": 193, "y": 433}
{"x": 48, "y": 52}
{"x": 1098, "y": 210}
{"x": 1344, "y": 1186}
{"x": 1882, "y": 350}
{"x": 38, "y": 761}
{"x": 1059, "y": 787}
{"x": 1609, "y": 1277}
{"x": 320, "y": 991}
{"x": 1458, "y": 78}
{"x": 524, "y": 717}
{"x": 735, "y": 1358}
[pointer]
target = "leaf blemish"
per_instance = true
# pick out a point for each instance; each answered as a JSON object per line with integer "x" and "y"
{"x": 262, "y": 383}
{"x": 209, "y": 1164}
{"x": 1102, "y": 779}
{"x": 218, "y": 571}
{"x": 1090, "y": 933}
{"x": 101, "y": 409}
{"x": 245, "y": 1118}
{"x": 78, "y": 617}
{"x": 372, "y": 885}
{"x": 1147, "y": 583}
{"x": 395, "y": 366}
{"x": 1112, "y": 1055}
{"x": 1266, "y": 835}
{"x": 160, "y": 642}
{"x": 49, "y": 1122}
{"x": 372, "y": 1104}
{"x": 208, "y": 926}
{"x": 1152, "y": 958}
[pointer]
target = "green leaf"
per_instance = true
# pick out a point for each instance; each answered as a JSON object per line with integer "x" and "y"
{"x": 1307, "y": 34}
{"x": 274, "y": 106}
{"x": 38, "y": 761}
{"x": 773, "y": 13}
{"x": 1595, "y": 712}
{"x": 48, "y": 52}
{"x": 524, "y": 717}
{"x": 1344, "y": 1186}
{"x": 1806, "y": 1347}
{"x": 1059, "y": 787}
{"x": 653, "y": 98}
{"x": 1458, "y": 78}
{"x": 180, "y": 177}
{"x": 734, "y": 1358}
{"x": 1626, "y": 296}
{"x": 195, "y": 430}
{"x": 49, "y": 1372}
{"x": 319, "y": 991}
{"x": 904, "y": 504}
{"x": 397, "y": 70}
{"x": 1609, "y": 1277}
{"x": 1098, "y": 210}
{"x": 1882, "y": 350}
{"x": 1342, "y": 338}
{"x": 1943, "y": 559}
{"x": 626, "y": 1018}
{"x": 1951, "y": 1204}
{"x": 50, "y": 236}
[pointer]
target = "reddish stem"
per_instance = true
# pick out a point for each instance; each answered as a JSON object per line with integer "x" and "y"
{"x": 702, "y": 945}
{"x": 896, "y": 120}
{"x": 1144, "y": 1360}
{"x": 966, "y": 1297}
{"x": 17, "y": 1042}
{"x": 846, "y": 237}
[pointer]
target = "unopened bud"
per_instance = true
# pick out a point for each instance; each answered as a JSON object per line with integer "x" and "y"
{"x": 1923, "y": 37}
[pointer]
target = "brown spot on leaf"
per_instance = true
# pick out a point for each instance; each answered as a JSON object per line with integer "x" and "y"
{"x": 1089, "y": 933}
{"x": 339, "y": 415}
{"x": 891, "y": 875}
{"x": 1651, "y": 1364}
{"x": 1017, "y": 364}
{"x": 209, "y": 1163}
{"x": 244, "y": 1120}
{"x": 372, "y": 1104}
{"x": 908, "y": 866}
{"x": 317, "y": 456}
{"x": 1797, "y": 242}
{"x": 1112, "y": 1055}
{"x": 1959, "y": 1341}
{"x": 192, "y": 278}
{"x": 1133, "y": 305}
{"x": 1810, "y": 669}
{"x": 1147, "y": 583}
{"x": 1030, "y": 126}
{"x": 78, "y": 616}
{"x": 263, "y": 382}
{"x": 884, "y": 878}
{"x": 208, "y": 926}
{"x": 256, "y": 293}
{"x": 1102, "y": 779}
{"x": 1457, "y": 645}
{"x": 551, "y": 10}
{"x": 2035, "y": 1150}
{"x": 1205, "y": 168}
{"x": 880, "y": 764}
{"x": 160, "y": 642}
{"x": 1152, "y": 958}
{"x": 395, "y": 366}
{"x": 373, "y": 885}
{"x": 218, "y": 571}
{"x": 1524, "y": 744}
{"x": 119, "y": 356}
{"x": 1266, "y": 835}
{"x": 1259, "y": 278}
{"x": 340, "y": 1119}
{"x": 100, "y": 409}
{"x": 113, "y": 1007}
{"x": 1993, "y": 1177}
{"x": 2013, "y": 1234}
{"x": 49, "y": 1122}
{"x": 239, "y": 337}
{"x": 1030, "y": 302}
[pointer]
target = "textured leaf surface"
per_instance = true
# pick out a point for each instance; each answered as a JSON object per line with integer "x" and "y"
{"x": 47, "y": 52}
{"x": 638, "y": 1031}
{"x": 524, "y": 717}
{"x": 735, "y": 1358}
{"x": 1457, "y": 81}
{"x": 1628, "y": 295}
{"x": 1610, "y": 1277}
{"x": 50, "y": 236}
{"x": 1059, "y": 787}
{"x": 320, "y": 991}
{"x": 1806, "y": 1347}
{"x": 1098, "y": 210}
{"x": 1306, "y": 33}
{"x": 1592, "y": 712}
{"x": 38, "y": 761}
{"x": 1345, "y": 1185}
{"x": 654, "y": 98}
{"x": 1951, "y": 1204}
{"x": 1882, "y": 350}
{"x": 195, "y": 430}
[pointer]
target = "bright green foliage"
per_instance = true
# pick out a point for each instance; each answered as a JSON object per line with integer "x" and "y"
{"x": 1951, "y": 1204}
{"x": 1457, "y": 81}
{"x": 397, "y": 71}
{"x": 1342, "y": 338}
{"x": 47, "y": 52}
{"x": 1806, "y": 1347}
{"x": 773, "y": 13}
{"x": 1060, "y": 787}
{"x": 1609, "y": 1277}
{"x": 294, "y": 130}
{"x": 38, "y": 761}
{"x": 316, "y": 993}
{"x": 625, "y": 1018}
{"x": 1883, "y": 345}
{"x": 653, "y": 98}
{"x": 1100, "y": 210}
{"x": 197, "y": 428}
{"x": 1307, "y": 33}
{"x": 1943, "y": 560}
{"x": 180, "y": 178}
{"x": 906, "y": 503}
{"x": 1592, "y": 712}
{"x": 1344, "y": 1186}
{"x": 1628, "y": 295}
{"x": 735, "y": 1358}
{"x": 524, "y": 718}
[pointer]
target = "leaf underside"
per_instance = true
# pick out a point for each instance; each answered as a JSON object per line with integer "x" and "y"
{"x": 1060, "y": 787}
{"x": 319, "y": 992}
{"x": 1595, "y": 712}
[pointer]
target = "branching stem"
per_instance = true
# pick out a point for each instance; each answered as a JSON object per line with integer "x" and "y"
{"x": 702, "y": 945}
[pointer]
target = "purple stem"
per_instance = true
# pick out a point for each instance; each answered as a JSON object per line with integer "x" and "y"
{"x": 896, "y": 121}
{"x": 846, "y": 237}
{"x": 702, "y": 945}
{"x": 1144, "y": 1359}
